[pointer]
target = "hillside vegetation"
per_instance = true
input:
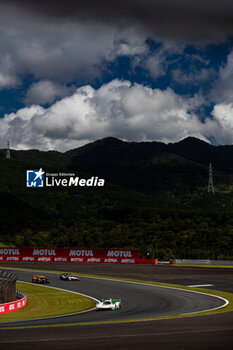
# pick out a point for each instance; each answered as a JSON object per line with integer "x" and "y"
{"x": 155, "y": 199}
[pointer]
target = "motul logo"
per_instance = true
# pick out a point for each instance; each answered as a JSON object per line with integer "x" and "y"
{"x": 128, "y": 261}
{"x": 44, "y": 252}
{"x": 60, "y": 259}
{"x": 28, "y": 258}
{"x": 9, "y": 251}
{"x": 93, "y": 260}
{"x": 81, "y": 252}
{"x": 120, "y": 253}
{"x": 76, "y": 259}
{"x": 110, "y": 260}
{"x": 44, "y": 259}
{"x": 12, "y": 258}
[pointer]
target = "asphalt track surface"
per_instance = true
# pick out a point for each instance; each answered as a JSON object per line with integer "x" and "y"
{"x": 139, "y": 301}
{"x": 205, "y": 332}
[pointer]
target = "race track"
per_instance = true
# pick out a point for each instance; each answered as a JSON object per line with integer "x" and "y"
{"x": 139, "y": 301}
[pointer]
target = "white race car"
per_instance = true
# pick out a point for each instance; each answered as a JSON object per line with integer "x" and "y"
{"x": 109, "y": 304}
{"x": 69, "y": 277}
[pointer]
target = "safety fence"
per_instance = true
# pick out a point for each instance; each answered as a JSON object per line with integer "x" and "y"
{"x": 7, "y": 287}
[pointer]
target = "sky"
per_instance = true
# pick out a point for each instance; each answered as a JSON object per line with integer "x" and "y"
{"x": 72, "y": 72}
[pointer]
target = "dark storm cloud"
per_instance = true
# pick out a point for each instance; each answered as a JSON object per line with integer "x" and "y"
{"x": 184, "y": 19}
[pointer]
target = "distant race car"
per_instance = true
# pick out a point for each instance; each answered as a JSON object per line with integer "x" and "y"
{"x": 40, "y": 279}
{"x": 69, "y": 277}
{"x": 109, "y": 304}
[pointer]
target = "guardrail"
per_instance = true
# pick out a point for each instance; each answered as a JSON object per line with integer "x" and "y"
{"x": 203, "y": 262}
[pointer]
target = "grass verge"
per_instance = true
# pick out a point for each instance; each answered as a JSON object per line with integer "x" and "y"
{"x": 44, "y": 301}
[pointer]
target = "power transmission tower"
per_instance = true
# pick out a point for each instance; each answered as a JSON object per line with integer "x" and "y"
{"x": 210, "y": 183}
{"x": 8, "y": 154}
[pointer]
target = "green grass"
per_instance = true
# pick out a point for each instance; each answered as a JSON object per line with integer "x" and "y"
{"x": 44, "y": 301}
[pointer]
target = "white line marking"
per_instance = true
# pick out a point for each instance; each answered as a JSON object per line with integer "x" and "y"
{"x": 201, "y": 285}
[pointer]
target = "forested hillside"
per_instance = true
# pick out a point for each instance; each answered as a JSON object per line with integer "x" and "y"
{"x": 155, "y": 198}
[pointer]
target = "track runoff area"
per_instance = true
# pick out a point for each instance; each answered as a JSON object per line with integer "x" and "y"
{"x": 140, "y": 301}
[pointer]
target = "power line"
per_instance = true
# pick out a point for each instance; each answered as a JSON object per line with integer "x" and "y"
{"x": 210, "y": 182}
{"x": 8, "y": 154}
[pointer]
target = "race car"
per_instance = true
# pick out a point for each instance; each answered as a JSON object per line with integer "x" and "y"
{"x": 40, "y": 279}
{"x": 68, "y": 277}
{"x": 109, "y": 304}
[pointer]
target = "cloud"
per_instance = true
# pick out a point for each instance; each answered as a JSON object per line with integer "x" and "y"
{"x": 8, "y": 76}
{"x": 156, "y": 61}
{"x": 46, "y": 91}
{"x": 156, "y": 64}
{"x": 59, "y": 49}
{"x": 62, "y": 43}
{"x": 73, "y": 41}
{"x": 120, "y": 109}
{"x": 193, "y": 20}
{"x": 223, "y": 114}
{"x": 222, "y": 90}
{"x": 193, "y": 77}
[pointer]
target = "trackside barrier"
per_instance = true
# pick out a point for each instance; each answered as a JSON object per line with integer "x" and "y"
{"x": 65, "y": 254}
{"x": 203, "y": 262}
{"x": 76, "y": 255}
{"x": 14, "y": 305}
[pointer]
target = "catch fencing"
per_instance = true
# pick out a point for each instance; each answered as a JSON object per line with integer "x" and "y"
{"x": 7, "y": 287}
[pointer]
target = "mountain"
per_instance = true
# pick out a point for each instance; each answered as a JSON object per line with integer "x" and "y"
{"x": 148, "y": 167}
{"x": 153, "y": 167}
{"x": 155, "y": 195}
{"x": 199, "y": 151}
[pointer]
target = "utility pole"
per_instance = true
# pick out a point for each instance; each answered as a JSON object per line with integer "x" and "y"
{"x": 8, "y": 154}
{"x": 210, "y": 183}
